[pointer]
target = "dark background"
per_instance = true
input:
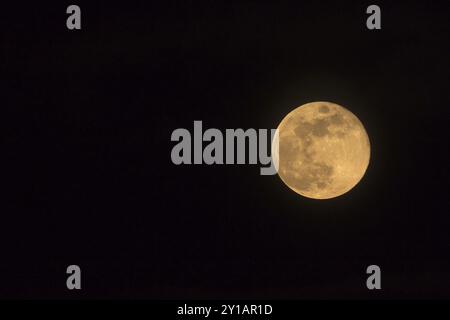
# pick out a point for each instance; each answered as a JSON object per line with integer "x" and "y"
{"x": 87, "y": 177}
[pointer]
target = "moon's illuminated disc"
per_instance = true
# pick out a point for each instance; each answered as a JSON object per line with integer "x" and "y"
{"x": 323, "y": 150}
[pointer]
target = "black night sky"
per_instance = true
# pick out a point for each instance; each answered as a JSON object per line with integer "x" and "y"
{"x": 87, "y": 177}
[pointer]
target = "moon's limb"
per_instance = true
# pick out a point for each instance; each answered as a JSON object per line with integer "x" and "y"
{"x": 323, "y": 150}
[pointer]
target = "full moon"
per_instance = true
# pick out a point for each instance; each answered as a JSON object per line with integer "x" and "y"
{"x": 321, "y": 149}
